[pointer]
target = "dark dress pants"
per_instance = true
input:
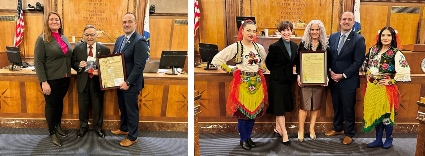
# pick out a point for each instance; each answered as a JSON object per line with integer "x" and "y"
{"x": 128, "y": 104}
{"x": 93, "y": 97}
{"x": 54, "y": 102}
{"x": 344, "y": 101}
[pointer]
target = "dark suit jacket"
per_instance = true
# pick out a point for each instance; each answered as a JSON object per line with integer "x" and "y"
{"x": 80, "y": 54}
{"x": 135, "y": 55}
{"x": 348, "y": 61}
{"x": 278, "y": 61}
{"x": 49, "y": 60}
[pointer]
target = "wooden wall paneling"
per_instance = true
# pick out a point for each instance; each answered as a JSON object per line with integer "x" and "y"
{"x": 414, "y": 59}
{"x": 371, "y": 23}
{"x": 422, "y": 31}
{"x": 8, "y": 30}
{"x": 305, "y": 11}
{"x": 160, "y": 29}
{"x": 3, "y": 59}
{"x": 212, "y": 27}
{"x": 179, "y": 36}
{"x": 8, "y": 91}
{"x": 177, "y": 101}
{"x": 232, "y": 7}
{"x": 110, "y": 107}
{"x": 151, "y": 98}
{"x": 406, "y": 32}
{"x": 34, "y": 28}
{"x": 34, "y": 97}
{"x": 211, "y": 91}
{"x": 79, "y": 13}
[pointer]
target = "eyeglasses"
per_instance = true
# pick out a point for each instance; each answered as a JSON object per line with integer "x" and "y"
{"x": 89, "y": 35}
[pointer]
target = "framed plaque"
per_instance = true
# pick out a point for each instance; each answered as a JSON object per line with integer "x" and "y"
{"x": 111, "y": 71}
{"x": 313, "y": 68}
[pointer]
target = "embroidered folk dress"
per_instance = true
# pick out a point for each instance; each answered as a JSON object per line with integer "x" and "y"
{"x": 248, "y": 93}
{"x": 382, "y": 101}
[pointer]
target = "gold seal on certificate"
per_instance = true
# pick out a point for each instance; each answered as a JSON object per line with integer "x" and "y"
{"x": 111, "y": 71}
{"x": 313, "y": 67}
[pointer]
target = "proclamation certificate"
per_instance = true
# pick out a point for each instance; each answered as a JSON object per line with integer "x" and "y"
{"x": 313, "y": 68}
{"x": 111, "y": 71}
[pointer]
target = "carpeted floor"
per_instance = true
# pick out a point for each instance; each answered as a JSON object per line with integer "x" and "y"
{"x": 17, "y": 141}
{"x": 268, "y": 145}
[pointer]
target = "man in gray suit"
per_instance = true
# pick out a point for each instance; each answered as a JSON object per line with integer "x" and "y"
{"x": 88, "y": 85}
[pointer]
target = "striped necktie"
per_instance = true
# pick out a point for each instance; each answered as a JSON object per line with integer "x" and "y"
{"x": 341, "y": 43}
{"x": 123, "y": 44}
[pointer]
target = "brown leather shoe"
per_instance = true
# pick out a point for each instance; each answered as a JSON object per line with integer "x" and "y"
{"x": 127, "y": 142}
{"x": 347, "y": 140}
{"x": 118, "y": 132}
{"x": 332, "y": 133}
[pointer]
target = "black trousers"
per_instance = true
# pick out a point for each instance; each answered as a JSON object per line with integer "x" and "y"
{"x": 128, "y": 104}
{"x": 344, "y": 101}
{"x": 93, "y": 97}
{"x": 54, "y": 102}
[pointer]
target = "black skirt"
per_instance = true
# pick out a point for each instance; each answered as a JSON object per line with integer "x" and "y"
{"x": 280, "y": 97}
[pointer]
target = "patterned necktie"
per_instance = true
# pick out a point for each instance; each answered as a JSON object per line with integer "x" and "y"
{"x": 123, "y": 44}
{"x": 341, "y": 43}
{"x": 90, "y": 55}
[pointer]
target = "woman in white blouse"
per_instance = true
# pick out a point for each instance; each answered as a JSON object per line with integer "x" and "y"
{"x": 386, "y": 66}
{"x": 248, "y": 93}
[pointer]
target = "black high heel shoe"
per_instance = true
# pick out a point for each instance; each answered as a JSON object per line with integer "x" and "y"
{"x": 287, "y": 143}
{"x": 276, "y": 133}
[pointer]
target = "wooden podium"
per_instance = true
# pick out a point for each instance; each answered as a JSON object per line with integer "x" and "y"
{"x": 420, "y": 144}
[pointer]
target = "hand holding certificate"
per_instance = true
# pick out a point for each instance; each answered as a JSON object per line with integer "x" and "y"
{"x": 313, "y": 68}
{"x": 111, "y": 71}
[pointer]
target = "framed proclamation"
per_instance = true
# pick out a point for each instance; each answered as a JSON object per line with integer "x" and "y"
{"x": 313, "y": 70}
{"x": 111, "y": 71}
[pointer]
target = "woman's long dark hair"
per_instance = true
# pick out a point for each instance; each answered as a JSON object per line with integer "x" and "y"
{"x": 393, "y": 41}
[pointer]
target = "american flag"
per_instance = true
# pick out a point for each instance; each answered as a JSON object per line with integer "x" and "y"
{"x": 19, "y": 32}
{"x": 197, "y": 15}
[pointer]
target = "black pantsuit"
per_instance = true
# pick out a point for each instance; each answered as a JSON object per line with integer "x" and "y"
{"x": 54, "y": 101}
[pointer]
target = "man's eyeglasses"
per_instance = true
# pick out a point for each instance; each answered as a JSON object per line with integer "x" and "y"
{"x": 89, "y": 35}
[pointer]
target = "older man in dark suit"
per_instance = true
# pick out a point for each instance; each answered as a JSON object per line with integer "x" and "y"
{"x": 135, "y": 50}
{"x": 346, "y": 55}
{"x": 88, "y": 85}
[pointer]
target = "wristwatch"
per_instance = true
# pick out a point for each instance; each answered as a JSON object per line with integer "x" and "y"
{"x": 128, "y": 83}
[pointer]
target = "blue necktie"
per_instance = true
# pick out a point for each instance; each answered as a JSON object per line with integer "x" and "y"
{"x": 123, "y": 44}
{"x": 341, "y": 43}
